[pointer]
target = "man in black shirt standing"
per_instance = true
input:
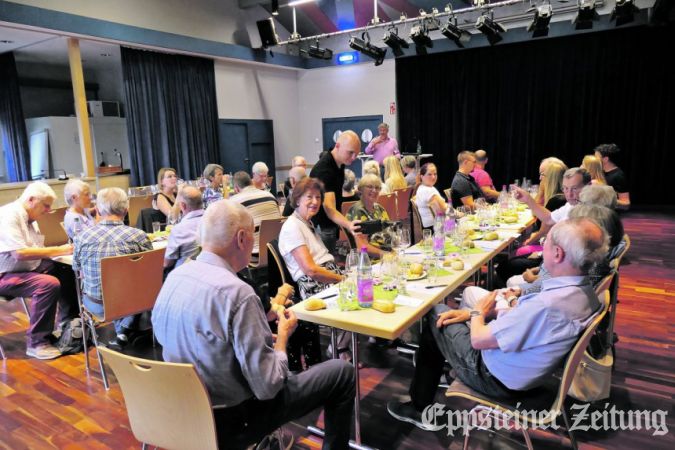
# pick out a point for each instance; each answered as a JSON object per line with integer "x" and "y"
{"x": 613, "y": 174}
{"x": 464, "y": 187}
{"x": 331, "y": 171}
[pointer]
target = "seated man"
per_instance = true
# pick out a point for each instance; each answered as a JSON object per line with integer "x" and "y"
{"x": 296, "y": 174}
{"x": 297, "y": 161}
{"x": 615, "y": 177}
{"x": 208, "y": 317}
{"x": 183, "y": 237}
{"x": 27, "y": 271}
{"x": 465, "y": 190}
{"x": 110, "y": 237}
{"x": 483, "y": 179}
{"x": 520, "y": 349}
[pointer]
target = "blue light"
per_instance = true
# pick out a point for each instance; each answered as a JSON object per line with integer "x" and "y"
{"x": 347, "y": 58}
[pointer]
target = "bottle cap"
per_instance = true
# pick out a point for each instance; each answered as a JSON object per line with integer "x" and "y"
{"x": 364, "y": 249}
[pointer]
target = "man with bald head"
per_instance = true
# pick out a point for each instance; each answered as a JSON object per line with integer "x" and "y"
{"x": 183, "y": 238}
{"x": 483, "y": 179}
{"x": 296, "y": 174}
{"x": 331, "y": 171}
{"x": 206, "y": 316}
{"x": 502, "y": 355}
{"x": 296, "y": 161}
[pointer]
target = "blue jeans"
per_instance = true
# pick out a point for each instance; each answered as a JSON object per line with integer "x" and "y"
{"x": 451, "y": 343}
{"x": 123, "y": 324}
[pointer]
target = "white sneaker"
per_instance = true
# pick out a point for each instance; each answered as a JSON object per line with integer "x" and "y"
{"x": 43, "y": 351}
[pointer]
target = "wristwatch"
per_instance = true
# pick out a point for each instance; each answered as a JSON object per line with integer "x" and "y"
{"x": 473, "y": 313}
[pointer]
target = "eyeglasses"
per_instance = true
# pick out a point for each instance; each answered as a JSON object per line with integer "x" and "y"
{"x": 373, "y": 188}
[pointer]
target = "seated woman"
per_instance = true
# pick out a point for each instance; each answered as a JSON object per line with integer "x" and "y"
{"x": 594, "y": 166}
{"x": 368, "y": 209}
{"x": 393, "y": 175}
{"x": 310, "y": 264}
{"x": 215, "y": 190}
{"x": 165, "y": 199}
{"x": 349, "y": 193}
{"x": 427, "y": 198}
{"x": 78, "y": 215}
{"x": 371, "y": 166}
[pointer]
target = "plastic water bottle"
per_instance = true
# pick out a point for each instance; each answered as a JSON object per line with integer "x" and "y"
{"x": 77, "y": 226}
{"x": 364, "y": 280}
{"x": 450, "y": 221}
{"x": 439, "y": 235}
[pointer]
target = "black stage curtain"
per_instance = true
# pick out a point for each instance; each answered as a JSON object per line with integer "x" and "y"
{"x": 13, "y": 136}
{"x": 554, "y": 97}
{"x": 172, "y": 117}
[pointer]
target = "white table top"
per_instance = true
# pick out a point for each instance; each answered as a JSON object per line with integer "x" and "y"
{"x": 68, "y": 259}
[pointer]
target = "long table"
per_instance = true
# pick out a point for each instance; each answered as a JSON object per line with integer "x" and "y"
{"x": 390, "y": 326}
{"x": 68, "y": 259}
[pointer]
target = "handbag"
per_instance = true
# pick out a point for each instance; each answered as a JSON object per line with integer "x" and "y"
{"x": 593, "y": 378}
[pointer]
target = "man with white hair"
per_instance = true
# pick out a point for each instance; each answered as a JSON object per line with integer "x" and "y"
{"x": 183, "y": 237}
{"x": 26, "y": 269}
{"x": 259, "y": 173}
{"x": 520, "y": 349}
{"x": 206, "y": 316}
{"x": 78, "y": 215}
{"x": 109, "y": 237}
{"x": 301, "y": 163}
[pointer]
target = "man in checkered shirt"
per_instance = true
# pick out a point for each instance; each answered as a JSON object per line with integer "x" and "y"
{"x": 110, "y": 237}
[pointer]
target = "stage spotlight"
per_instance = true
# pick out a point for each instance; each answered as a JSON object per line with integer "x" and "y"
{"x": 586, "y": 15}
{"x": 542, "y": 17}
{"x": 421, "y": 38}
{"x": 624, "y": 12}
{"x": 490, "y": 29}
{"x": 395, "y": 42}
{"x": 275, "y": 7}
{"x": 364, "y": 46}
{"x": 451, "y": 31}
{"x": 317, "y": 52}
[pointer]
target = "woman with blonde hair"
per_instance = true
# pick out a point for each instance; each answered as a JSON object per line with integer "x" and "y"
{"x": 393, "y": 175}
{"x": 594, "y": 166}
{"x": 371, "y": 166}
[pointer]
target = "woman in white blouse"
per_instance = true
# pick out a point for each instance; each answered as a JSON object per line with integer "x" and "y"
{"x": 428, "y": 199}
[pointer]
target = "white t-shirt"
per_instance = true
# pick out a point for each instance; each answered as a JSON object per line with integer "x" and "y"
{"x": 561, "y": 213}
{"x": 295, "y": 233}
{"x": 17, "y": 233}
{"x": 423, "y": 196}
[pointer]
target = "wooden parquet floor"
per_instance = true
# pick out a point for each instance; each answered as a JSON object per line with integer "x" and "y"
{"x": 54, "y": 404}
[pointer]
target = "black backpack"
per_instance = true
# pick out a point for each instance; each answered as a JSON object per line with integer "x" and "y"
{"x": 69, "y": 336}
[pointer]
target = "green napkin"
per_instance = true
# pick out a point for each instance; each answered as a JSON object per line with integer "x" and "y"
{"x": 380, "y": 294}
{"x": 451, "y": 248}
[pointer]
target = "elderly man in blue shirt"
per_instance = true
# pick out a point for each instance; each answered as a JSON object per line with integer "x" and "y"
{"x": 205, "y": 315}
{"x": 521, "y": 348}
{"x": 183, "y": 237}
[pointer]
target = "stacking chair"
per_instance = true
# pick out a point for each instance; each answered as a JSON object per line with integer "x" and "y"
{"x": 130, "y": 284}
{"x": 416, "y": 221}
{"x": 278, "y": 273}
{"x": 269, "y": 229}
{"x": 50, "y": 227}
{"x": 25, "y": 307}
{"x": 346, "y": 206}
{"x": 167, "y": 403}
{"x": 345, "y": 235}
{"x": 549, "y": 404}
{"x": 136, "y": 205}
{"x": 403, "y": 203}
{"x": 388, "y": 202}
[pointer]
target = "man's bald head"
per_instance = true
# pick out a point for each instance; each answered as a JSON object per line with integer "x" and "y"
{"x": 192, "y": 197}
{"x": 347, "y": 148}
{"x": 221, "y": 223}
{"x": 296, "y": 174}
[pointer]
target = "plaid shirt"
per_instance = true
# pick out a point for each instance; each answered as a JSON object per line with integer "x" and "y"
{"x": 108, "y": 238}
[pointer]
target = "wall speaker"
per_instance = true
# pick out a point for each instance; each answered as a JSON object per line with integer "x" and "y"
{"x": 268, "y": 35}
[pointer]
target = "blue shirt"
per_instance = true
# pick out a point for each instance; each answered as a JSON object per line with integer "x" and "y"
{"x": 538, "y": 333}
{"x": 183, "y": 238}
{"x": 206, "y": 316}
{"x": 86, "y": 221}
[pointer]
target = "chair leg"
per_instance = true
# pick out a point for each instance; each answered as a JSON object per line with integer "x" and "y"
{"x": 2, "y": 353}
{"x": 87, "y": 325}
{"x": 98, "y": 354}
{"x": 569, "y": 430}
{"x": 25, "y": 307}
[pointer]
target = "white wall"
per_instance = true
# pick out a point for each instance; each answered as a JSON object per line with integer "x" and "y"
{"x": 247, "y": 91}
{"x": 342, "y": 91}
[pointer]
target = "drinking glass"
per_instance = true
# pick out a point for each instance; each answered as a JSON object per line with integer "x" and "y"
{"x": 427, "y": 241}
{"x": 352, "y": 263}
{"x": 346, "y": 295}
{"x": 429, "y": 265}
{"x": 389, "y": 270}
{"x": 404, "y": 238}
{"x": 155, "y": 227}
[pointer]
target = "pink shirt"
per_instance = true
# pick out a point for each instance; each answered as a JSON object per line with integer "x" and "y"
{"x": 482, "y": 177}
{"x": 383, "y": 149}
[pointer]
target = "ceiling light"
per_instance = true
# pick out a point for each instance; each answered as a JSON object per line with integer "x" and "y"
{"x": 624, "y": 12}
{"x": 396, "y": 42}
{"x": 275, "y": 7}
{"x": 586, "y": 15}
{"x": 455, "y": 34}
{"x": 542, "y": 17}
{"x": 317, "y": 52}
{"x": 490, "y": 29}
{"x": 421, "y": 38}
{"x": 6, "y": 41}
{"x": 298, "y": 2}
{"x": 364, "y": 46}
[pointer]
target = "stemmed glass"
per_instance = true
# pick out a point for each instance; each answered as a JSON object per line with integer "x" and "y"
{"x": 403, "y": 236}
{"x": 351, "y": 264}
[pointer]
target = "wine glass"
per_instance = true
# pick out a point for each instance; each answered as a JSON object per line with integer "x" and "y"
{"x": 403, "y": 238}
{"x": 388, "y": 270}
{"x": 427, "y": 241}
{"x": 352, "y": 263}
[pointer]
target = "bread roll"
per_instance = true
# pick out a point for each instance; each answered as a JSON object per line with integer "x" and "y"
{"x": 384, "y": 306}
{"x": 314, "y": 304}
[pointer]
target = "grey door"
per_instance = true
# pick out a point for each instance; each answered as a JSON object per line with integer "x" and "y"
{"x": 244, "y": 142}
{"x": 358, "y": 124}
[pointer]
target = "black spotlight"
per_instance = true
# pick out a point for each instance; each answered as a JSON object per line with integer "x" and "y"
{"x": 395, "y": 42}
{"x": 542, "y": 17}
{"x": 364, "y": 46}
{"x": 490, "y": 29}
{"x": 451, "y": 31}
{"x": 275, "y": 7}
{"x": 317, "y": 52}
{"x": 586, "y": 15}
{"x": 624, "y": 12}
{"x": 421, "y": 38}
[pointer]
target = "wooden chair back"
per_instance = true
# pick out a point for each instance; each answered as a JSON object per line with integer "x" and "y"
{"x": 167, "y": 403}
{"x": 346, "y": 206}
{"x": 269, "y": 229}
{"x": 277, "y": 272}
{"x": 50, "y": 227}
{"x": 388, "y": 202}
{"x": 403, "y": 203}
{"x": 130, "y": 283}
{"x": 136, "y": 205}
{"x": 416, "y": 221}
{"x": 343, "y": 235}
